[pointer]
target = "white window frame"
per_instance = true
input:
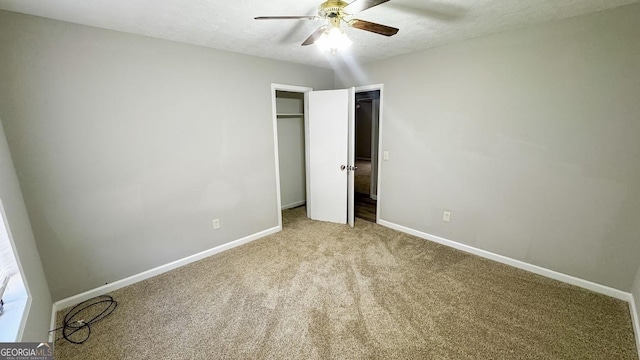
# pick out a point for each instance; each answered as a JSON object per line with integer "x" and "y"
{"x": 17, "y": 297}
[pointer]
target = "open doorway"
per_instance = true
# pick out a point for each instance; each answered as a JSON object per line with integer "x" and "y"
{"x": 326, "y": 129}
{"x": 367, "y": 125}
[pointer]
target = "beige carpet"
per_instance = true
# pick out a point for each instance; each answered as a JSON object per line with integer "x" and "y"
{"x": 318, "y": 291}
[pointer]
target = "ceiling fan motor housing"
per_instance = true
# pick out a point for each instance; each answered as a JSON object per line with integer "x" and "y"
{"x": 332, "y": 9}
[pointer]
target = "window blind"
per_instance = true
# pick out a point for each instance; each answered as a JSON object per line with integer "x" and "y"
{"x": 8, "y": 265}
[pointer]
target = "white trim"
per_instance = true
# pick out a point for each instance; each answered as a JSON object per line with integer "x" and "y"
{"x": 25, "y": 316}
{"x": 52, "y": 323}
{"x": 380, "y": 151}
{"x": 351, "y": 155}
{"x": 70, "y": 301}
{"x": 294, "y": 204}
{"x": 366, "y": 88}
{"x": 635, "y": 321}
{"x": 274, "y": 115}
{"x": 307, "y": 154}
{"x": 602, "y": 289}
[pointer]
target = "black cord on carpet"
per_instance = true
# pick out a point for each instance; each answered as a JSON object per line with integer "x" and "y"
{"x": 74, "y": 322}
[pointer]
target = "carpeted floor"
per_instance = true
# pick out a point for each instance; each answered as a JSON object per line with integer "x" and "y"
{"x": 319, "y": 290}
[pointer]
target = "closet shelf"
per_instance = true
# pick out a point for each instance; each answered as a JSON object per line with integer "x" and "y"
{"x": 289, "y": 115}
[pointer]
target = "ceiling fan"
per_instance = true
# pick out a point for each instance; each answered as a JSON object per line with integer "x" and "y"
{"x": 330, "y": 36}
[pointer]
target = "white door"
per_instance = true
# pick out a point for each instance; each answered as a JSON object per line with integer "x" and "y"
{"x": 352, "y": 156}
{"x": 328, "y": 150}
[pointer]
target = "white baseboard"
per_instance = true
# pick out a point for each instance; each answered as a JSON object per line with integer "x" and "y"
{"x": 292, "y": 205}
{"x": 615, "y": 293}
{"x": 52, "y": 324}
{"x": 602, "y": 289}
{"x": 76, "y": 299}
{"x": 636, "y": 321}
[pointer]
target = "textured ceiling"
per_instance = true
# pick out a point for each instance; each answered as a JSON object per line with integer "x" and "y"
{"x": 229, "y": 24}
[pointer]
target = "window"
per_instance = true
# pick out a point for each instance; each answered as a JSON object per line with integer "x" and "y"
{"x": 15, "y": 295}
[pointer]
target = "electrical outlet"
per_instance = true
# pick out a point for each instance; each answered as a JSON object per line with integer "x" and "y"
{"x": 216, "y": 224}
{"x": 446, "y": 216}
{"x": 385, "y": 155}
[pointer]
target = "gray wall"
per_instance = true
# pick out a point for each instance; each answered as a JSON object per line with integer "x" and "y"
{"x": 291, "y": 149}
{"x": 529, "y": 137}
{"x": 39, "y": 315}
{"x": 127, "y": 147}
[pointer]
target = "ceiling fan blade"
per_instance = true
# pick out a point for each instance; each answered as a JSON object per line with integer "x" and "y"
{"x": 373, "y": 27}
{"x": 361, "y": 5}
{"x": 308, "y": 17}
{"x": 315, "y": 36}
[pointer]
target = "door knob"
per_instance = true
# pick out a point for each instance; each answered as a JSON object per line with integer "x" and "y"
{"x": 348, "y": 168}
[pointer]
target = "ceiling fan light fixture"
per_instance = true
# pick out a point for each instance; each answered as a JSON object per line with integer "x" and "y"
{"x": 334, "y": 40}
{"x": 330, "y": 37}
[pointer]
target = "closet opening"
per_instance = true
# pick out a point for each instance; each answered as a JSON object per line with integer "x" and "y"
{"x": 291, "y": 155}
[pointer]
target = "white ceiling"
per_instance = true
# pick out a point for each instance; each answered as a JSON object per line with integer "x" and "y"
{"x": 229, "y": 24}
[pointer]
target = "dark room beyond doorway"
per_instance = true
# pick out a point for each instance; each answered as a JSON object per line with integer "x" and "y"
{"x": 366, "y": 147}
